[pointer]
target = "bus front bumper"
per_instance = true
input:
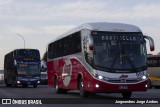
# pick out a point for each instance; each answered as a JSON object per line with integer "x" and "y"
{"x": 103, "y": 87}
{"x": 27, "y": 82}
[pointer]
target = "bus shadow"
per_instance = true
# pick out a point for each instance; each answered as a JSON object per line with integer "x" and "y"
{"x": 19, "y": 86}
{"x": 98, "y": 95}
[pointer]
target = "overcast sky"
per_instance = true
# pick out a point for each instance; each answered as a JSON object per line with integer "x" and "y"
{"x": 40, "y": 21}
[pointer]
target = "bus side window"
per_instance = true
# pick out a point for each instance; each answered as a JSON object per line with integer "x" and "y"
{"x": 49, "y": 51}
{"x": 77, "y": 42}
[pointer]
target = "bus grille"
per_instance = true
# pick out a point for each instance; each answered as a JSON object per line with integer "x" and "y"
{"x": 123, "y": 81}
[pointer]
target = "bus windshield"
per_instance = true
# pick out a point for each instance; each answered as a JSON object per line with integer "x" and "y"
{"x": 28, "y": 69}
{"x": 27, "y": 53}
{"x": 119, "y": 51}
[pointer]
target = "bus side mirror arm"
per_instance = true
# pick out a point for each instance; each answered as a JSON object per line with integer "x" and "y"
{"x": 151, "y": 42}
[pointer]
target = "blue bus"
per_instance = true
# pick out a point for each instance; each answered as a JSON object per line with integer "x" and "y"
{"x": 22, "y": 67}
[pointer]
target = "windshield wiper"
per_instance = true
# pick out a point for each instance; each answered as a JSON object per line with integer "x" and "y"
{"x": 114, "y": 60}
{"x": 129, "y": 60}
{"x": 123, "y": 54}
{"x": 102, "y": 67}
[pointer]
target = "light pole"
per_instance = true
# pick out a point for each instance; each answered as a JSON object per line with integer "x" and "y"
{"x": 23, "y": 39}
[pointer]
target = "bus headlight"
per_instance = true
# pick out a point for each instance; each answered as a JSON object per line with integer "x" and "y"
{"x": 97, "y": 85}
{"x": 100, "y": 77}
{"x": 18, "y": 82}
{"x": 38, "y": 82}
{"x": 144, "y": 77}
{"x": 96, "y": 75}
{"x": 146, "y": 85}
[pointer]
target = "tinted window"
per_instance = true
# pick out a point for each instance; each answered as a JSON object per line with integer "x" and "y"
{"x": 65, "y": 46}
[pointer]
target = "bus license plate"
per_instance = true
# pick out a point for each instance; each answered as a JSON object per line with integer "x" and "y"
{"x": 123, "y": 87}
{"x": 28, "y": 82}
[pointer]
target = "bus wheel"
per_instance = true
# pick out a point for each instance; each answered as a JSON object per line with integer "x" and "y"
{"x": 126, "y": 95}
{"x": 82, "y": 92}
{"x": 35, "y": 85}
{"x": 8, "y": 85}
{"x": 24, "y": 85}
{"x": 149, "y": 84}
{"x": 58, "y": 90}
{"x": 15, "y": 85}
{"x": 64, "y": 91}
{"x": 157, "y": 87}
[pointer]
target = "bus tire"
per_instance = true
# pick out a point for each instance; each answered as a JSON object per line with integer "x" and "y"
{"x": 64, "y": 91}
{"x": 126, "y": 95}
{"x": 57, "y": 89}
{"x": 83, "y": 93}
{"x": 149, "y": 84}
{"x": 8, "y": 85}
{"x": 15, "y": 85}
{"x": 157, "y": 87}
{"x": 24, "y": 85}
{"x": 35, "y": 85}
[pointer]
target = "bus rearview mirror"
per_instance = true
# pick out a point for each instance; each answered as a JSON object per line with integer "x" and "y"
{"x": 15, "y": 63}
{"x": 91, "y": 47}
{"x": 151, "y": 42}
{"x": 90, "y": 43}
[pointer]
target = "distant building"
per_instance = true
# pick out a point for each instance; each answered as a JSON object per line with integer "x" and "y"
{"x": 1, "y": 75}
{"x": 1, "y": 71}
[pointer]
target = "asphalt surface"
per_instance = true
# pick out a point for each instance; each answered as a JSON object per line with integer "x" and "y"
{"x": 72, "y": 98}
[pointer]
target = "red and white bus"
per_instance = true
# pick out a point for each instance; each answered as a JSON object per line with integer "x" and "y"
{"x": 99, "y": 58}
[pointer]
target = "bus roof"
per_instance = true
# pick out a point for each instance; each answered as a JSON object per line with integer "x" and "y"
{"x": 102, "y": 26}
{"x": 20, "y": 49}
{"x": 26, "y": 49}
